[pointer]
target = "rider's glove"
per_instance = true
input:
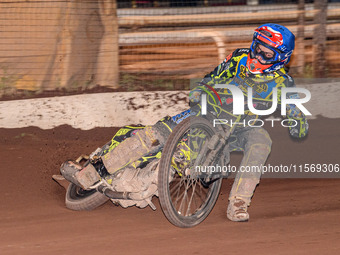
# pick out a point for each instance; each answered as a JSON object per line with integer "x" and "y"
{"x": 298, "y": 127}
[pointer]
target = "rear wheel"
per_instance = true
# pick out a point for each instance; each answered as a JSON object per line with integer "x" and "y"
{"x": 79, "y": 199}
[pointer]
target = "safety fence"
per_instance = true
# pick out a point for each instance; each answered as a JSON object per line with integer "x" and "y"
{"x": 58, "y": 44}
{"x": 160, "y": 45}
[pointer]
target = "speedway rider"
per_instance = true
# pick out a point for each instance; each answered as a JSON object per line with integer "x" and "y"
{"x": 260, "y": 67}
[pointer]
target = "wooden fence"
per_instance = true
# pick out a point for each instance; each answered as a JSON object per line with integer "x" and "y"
{"x": 188, "y": 46}
{"x": 49, "y": 45}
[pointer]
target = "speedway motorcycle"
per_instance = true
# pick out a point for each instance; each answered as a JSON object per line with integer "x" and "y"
{"x": 181, "y": 175}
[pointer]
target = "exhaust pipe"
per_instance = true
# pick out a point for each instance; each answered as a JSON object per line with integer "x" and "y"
{"x": 113, "y": 194}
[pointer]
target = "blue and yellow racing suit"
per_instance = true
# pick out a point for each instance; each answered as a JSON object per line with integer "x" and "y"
{"x": 253, "y": 141}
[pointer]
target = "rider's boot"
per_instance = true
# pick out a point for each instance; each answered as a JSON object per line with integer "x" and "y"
{"x": 237, "y": 210}
{"x": 256, "y": 151}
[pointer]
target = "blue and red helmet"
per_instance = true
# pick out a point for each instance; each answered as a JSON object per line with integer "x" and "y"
{"x": 276, "y": 38}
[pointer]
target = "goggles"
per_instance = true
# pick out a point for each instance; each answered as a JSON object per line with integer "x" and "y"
{"x": 268, "y": 57}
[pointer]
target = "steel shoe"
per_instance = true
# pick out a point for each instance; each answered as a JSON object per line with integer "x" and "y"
{"x": 69, "y": 169}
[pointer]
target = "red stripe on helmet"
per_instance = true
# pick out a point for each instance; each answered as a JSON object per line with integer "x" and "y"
{"x": 267, "y": 41}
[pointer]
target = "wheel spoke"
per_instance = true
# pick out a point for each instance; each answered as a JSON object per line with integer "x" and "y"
{"x": 204, "y": 190}
{"x": 174, "y": 187}
{"x": 184, "y": 197}
{"x": 192, "y": 195}
{"x": 178, "y": 191}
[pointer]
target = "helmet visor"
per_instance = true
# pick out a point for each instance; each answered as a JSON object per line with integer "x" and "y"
{"x": 264, "y": 53}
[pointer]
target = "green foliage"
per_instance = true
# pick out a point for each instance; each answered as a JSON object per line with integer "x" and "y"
{"x": 7, "y": 80}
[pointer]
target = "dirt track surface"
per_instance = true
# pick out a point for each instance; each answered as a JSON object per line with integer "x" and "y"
{"x": 288, "y": 216}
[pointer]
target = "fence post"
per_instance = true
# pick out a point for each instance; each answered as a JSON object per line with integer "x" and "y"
{"x": 253, "y": 2}
{"x": 107, "y": 72}
{"x": 301, "y": 37}
{"x": 319, "y": 39}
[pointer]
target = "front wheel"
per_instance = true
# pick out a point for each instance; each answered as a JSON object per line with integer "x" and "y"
{"x": 79, "y": 199}
{"x": 186, "y": 199}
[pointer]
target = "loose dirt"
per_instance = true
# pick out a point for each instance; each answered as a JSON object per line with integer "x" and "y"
{"x": 288, "y": 216}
